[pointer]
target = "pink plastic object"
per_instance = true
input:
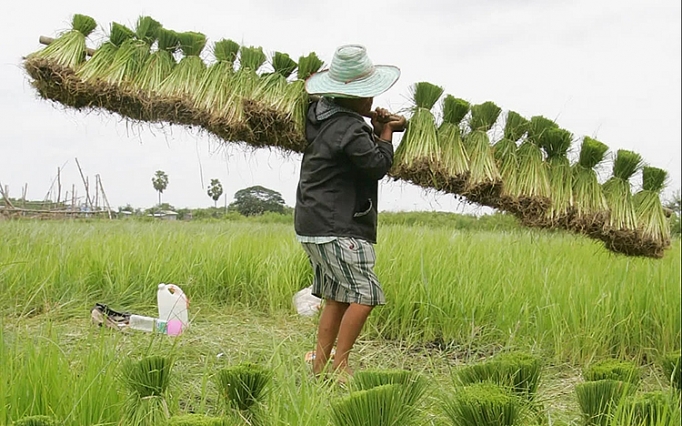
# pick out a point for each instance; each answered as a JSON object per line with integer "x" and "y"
{"x": 174, "y": 327}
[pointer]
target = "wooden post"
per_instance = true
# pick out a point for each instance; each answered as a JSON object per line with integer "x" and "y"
{"x": 59, "y": 186}
{"x": 24, "y": 192}
{"x": 104, "y": 196}
{"x": 85, "y": 183}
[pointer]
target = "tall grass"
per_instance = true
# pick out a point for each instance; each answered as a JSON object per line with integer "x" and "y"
{"x": 560, "y": 293}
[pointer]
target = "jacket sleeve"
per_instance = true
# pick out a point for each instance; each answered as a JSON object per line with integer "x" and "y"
{"x": 373, "y": 158}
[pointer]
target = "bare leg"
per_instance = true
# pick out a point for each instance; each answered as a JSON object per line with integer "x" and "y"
{"x": 351, "y": 325}
{"x": 327, "y": 330}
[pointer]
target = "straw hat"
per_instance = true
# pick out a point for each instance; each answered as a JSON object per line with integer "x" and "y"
{"x": 352, "y": 75}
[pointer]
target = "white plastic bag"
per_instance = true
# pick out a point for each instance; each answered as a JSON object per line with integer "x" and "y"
{"x": 305, "y": 303}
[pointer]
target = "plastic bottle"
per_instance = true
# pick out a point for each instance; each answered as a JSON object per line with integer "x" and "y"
{"x": 139, "y": 322}
{"x": 173, "y": 304}
{"x": 148, "y": 324}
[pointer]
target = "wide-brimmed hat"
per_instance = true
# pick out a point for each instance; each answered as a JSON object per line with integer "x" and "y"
{"x": 352, "y": 74}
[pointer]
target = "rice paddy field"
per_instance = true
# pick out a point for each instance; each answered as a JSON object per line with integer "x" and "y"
{"x": 455, "y": 298}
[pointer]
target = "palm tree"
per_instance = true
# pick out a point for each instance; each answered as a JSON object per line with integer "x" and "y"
{"x": 215, "y": 190}
{"x": 160, "y": 182}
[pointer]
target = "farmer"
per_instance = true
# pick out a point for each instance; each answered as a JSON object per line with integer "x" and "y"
{"x": 336, "y": 199}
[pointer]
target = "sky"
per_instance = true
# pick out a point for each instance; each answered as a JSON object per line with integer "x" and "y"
{"x": 608, "y": 69}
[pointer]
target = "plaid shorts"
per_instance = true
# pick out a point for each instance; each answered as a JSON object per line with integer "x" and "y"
{"x": 344, "y": 271}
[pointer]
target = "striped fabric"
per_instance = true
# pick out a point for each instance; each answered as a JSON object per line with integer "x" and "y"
{"x": 344, "y": 271}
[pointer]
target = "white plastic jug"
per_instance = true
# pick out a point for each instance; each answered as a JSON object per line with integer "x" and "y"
{"x": 173, "y": 304}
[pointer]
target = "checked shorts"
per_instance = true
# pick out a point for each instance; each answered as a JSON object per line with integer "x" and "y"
{"x": 344, "y": 271}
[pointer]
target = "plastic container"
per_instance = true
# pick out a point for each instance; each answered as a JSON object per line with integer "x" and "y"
{"x": 173, "y": 305}
{"x": 148, "y": 324}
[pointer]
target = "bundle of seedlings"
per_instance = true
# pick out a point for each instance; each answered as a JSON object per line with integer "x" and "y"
{"x": 454, "y": 156}
{"x": 504, "y": 151}
{"x": 159, "y": 65}
{"x": 598, "y": 400}
{"x": 269, "y": 127}
{"x": 589, "y": 206}
{"x": 90, "y": 72}
{"x": 148, "y": 381}
{"x": 613, "y": 369}
{"x": 285, "y": 113}
{"x": 672, "y": 368}
{"x": 413, "y": 384}
{"x": 36, "y": 421}
{"x": 484, "y": 182}
{"x": 378, "y": 406}
{"x": 216, "y": 82}
{"x": 648, "y": 409}
{"x": 418, "y": 157}
{"x": 52, "y": 68}
{"x": 243, "y": 387}
{"x": 227, "y": 120}
{"x": 620, "y": 231}
{"x": 198, "y": 420}
{"x": 532, "y": 183}
{"x": 175, "y": 99}
{"x": 115, "y": 88}
{"x": 652, "y": 223}
{"x": 519, "y": 372}
{"x": 556, "y": 143}
{"x": 483, "y": 404}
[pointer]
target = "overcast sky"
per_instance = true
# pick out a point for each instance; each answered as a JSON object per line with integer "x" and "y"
{"x": 607, "y": 69}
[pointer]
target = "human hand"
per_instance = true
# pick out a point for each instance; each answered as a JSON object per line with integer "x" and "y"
{"x": 382, "y": 118}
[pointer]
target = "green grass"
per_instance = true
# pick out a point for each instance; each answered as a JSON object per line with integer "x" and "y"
{"x": 455, "y": 297}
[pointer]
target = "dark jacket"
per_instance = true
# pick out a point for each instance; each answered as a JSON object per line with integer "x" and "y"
{"x": 341, "y": 167}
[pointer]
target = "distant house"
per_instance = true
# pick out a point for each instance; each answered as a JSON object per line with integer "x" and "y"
{"x": 165, "y": 215}
{"x": 124, "y": 214}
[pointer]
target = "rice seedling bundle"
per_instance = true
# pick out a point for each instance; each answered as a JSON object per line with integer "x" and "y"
{"x": 52, "y": 68}
{"x": 453, "y": 154}
{"x": 414, "y": 385}
{"x": 113, "y": 88}
{"x": 104, "y": 55}
{"x": 672, "y": 368}
{"x": 556, "y": 143}
{"x": 506, "y": 161}
{"x": 279, "y": 116}
{"x": 612, "y": 369}
{"x": 532, "y": 183}
{"x": 216, "y": 83}
{"x": 270, "y": 126}
{"x": 378, "y": 406}
{"x": 517, "y": 371}
{"x": 36, "y": 421}
{"x": 482, "y": 404}
{"x": 590, "y": 207}
{"x": 228, "y": 120}
{"x": 651, "y": 220}
{"x": 617, "y": 191}
{"x": 197, "y": 420}
{"x": 148, "y": 381}
{"x": 131, "y": 56}
{"x": 243, "y": 385}
{"x": 484, "y": 181}
{"x": 647, "y": 409}
{"x": 418, "y": 157}
{"x": 175, "y": 98}
{"x": 599, "y": 399}
{"x": 68, "y": 50}
{"x": 159, "y": 65}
